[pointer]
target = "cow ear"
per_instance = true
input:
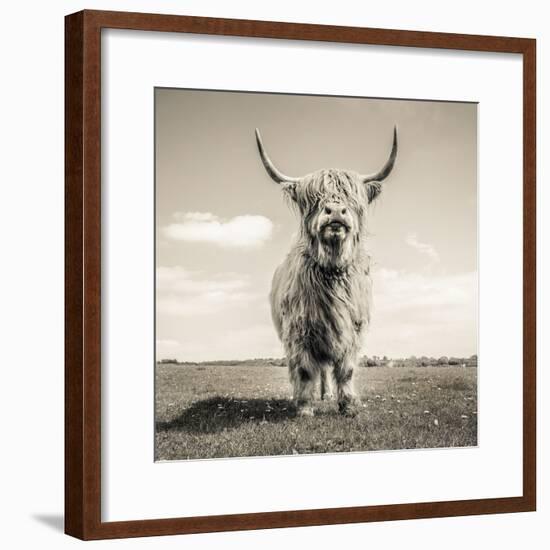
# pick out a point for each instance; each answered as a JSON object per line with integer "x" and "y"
{"x": 290, "y": 190}
{"x": 373, "y": 190}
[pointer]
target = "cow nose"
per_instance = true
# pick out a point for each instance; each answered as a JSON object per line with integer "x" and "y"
{"x": 335, "y": 210}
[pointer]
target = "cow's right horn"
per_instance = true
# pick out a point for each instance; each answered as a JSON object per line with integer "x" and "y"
{"x": 276, "y": 176}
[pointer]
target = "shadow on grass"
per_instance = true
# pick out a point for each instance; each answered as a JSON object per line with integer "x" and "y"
{"x": 218, "y": 413}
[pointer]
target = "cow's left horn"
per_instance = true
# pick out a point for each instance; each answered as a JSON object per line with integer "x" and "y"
{"x": 385, "y": 172}
{"x": 277, "y": 176}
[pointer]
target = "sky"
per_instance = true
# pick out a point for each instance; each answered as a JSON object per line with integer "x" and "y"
{"x": 222, "y": 225}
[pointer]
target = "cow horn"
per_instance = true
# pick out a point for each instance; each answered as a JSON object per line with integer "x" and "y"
{"x": 277, "y": 176}
{"x": 385, "y": 172}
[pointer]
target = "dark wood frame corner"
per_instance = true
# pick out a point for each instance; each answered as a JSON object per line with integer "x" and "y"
{"x": 83, "y": 274}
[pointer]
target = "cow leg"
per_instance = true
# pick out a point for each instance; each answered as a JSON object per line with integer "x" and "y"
{"x": 303, "y": 376}
{"x": 348, "y": 403}
{"x": 326, "y": 385}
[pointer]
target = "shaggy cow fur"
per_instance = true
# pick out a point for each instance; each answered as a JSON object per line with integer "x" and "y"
{"x": 321, "y": 293}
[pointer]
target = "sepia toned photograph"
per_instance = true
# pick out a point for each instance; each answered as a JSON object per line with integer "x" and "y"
{"x": 316, "y": 281}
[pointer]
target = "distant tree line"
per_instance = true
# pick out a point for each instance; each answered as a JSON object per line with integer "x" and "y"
{"x": 373, "y": 361}
{"x": 414, "y": 361}
{"x": 259, "y": 362}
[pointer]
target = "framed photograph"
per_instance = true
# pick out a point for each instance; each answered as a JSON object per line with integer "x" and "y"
{"x": 300, "y": 275}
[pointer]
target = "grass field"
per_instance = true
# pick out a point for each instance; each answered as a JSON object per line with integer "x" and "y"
{"x": 212, "y": 411}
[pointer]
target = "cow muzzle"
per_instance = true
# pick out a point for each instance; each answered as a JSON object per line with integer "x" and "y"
{"x": 335, "y": 222}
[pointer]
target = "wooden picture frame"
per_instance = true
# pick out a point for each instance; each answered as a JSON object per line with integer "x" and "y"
{"x": 83, "y": 274}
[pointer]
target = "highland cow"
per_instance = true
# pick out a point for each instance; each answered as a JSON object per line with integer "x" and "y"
{"x": 321, "y": 293}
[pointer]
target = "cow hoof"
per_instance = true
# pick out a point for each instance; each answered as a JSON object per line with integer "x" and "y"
{"x": 305, "y": 410}
{"x": 349, "y": 409}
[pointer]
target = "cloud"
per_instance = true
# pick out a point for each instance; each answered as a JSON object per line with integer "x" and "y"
{"x": 258, "y": 339}
{"x": 397, "y": 290}
{"x": 167, "y": 343}
{"x": 167, "y": 348}
{"x": 247, "y": 231}
{"x": 423, "y": 248}
{"x": 204, "y": 316}
{"x": 249, "y": 341}
{"x": 425, "y": 313}
{"x": 181, "y": 292}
